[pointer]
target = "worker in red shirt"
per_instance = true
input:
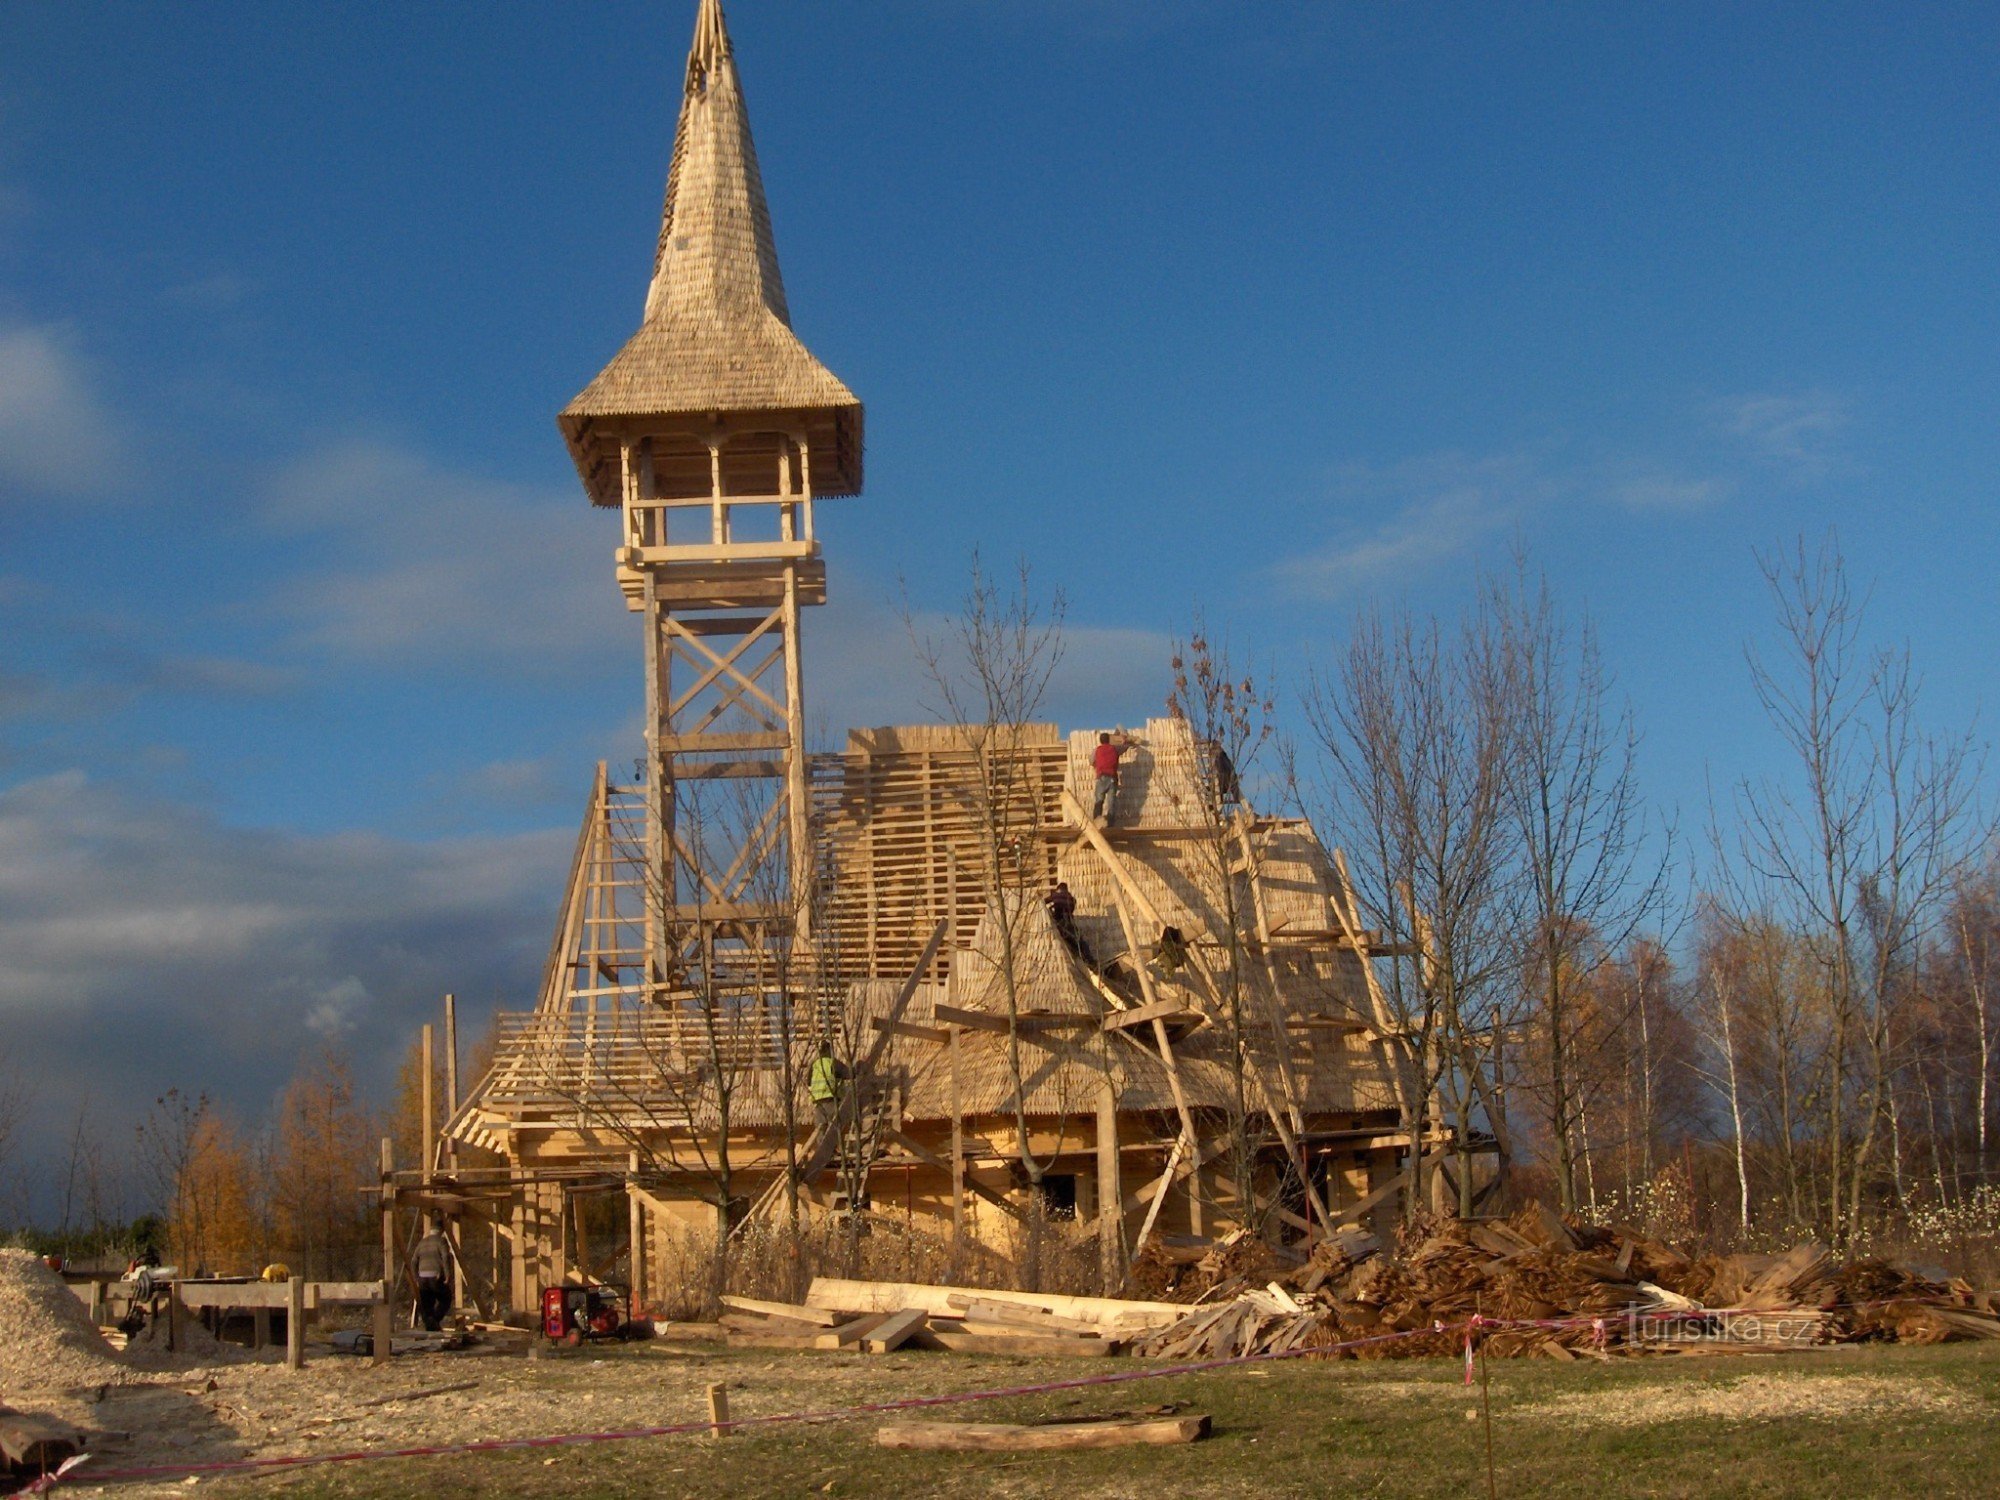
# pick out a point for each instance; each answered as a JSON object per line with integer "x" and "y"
{"x": 1104, "y": 760}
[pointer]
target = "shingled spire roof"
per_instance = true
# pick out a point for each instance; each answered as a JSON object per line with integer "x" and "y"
{"x": 716, "y": 336}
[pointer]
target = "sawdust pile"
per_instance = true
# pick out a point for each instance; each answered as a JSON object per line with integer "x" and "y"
{"x": 194, "y": 1346}
{"x": 47, "y": 1341}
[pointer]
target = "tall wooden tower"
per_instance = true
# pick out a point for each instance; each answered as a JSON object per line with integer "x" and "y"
{"x": 714, "y": 431}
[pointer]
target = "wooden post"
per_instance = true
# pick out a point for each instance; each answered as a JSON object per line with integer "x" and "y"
{"x": 295, "y": 1324}
{"x": 718, "y": 1411}
{"x": 260, "y": 1328}
{"x": 383, "y": 1322}
{"x": 429, "y": 1161}
{"x": 173, "y": 1318}
{"x": 390, "y": 1270}
{"x": 518, "y": 1294}
{"x": 635, "y": 1263}
{"x": 451, "y": 1073}
{"x": 1110, "y": 1191}
{"x": 957, "y": 1157}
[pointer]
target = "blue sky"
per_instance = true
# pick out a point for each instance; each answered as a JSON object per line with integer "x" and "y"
{"x": 307, "y": 634}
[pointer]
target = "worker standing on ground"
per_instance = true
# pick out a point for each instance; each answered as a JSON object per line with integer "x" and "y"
{"x": 1104, "y": 760}
{"x": 432, "y": 1262}
{"x": 826, "y": 1084}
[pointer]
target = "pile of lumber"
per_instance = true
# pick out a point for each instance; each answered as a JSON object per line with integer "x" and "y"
{"x": 1588, "y": 1288}
{"x": 876, "y": 1317}
{"x": 1559, "y": 1289}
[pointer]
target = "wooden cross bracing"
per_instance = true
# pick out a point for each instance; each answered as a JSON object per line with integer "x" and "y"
{"x": 728, "y": 858}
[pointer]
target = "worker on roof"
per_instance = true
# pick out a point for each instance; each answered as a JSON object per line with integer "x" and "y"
{"x": 1104, "y": 760}
{"x": 431, "y": 1259}
{"x": 826, "y": 1084}
{"x": 1062, "y": 911}
{"x": 1228, "y": 786}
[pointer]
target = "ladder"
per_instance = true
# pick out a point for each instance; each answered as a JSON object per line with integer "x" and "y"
{"x": 877, "y": 1104}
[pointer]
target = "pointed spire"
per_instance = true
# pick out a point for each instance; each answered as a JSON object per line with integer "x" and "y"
{"x": 716, "y": 336}
{"x": 715, "y": 228}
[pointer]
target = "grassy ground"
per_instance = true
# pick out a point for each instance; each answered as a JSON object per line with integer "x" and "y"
{"x": 1857, "y": 1421}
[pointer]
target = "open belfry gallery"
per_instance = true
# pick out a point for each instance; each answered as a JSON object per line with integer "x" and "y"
{"x": 935, "y": 978}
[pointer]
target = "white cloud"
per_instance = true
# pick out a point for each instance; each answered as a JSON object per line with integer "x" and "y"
{"x": 1800, "y": 433}
{"x": 527, "y": 782}
{"x": 1440, "y": 507}
{"x": 1666, "y": 492}
{"x": 148, "y": 945}
{"x": 54, "y": 432}
{"x": 416, "y": 564}
{"x": 862, "y": 669}
{"x": 336, "y": 1011}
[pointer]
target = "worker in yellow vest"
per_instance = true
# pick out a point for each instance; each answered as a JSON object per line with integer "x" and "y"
{"x": 827, "y": 1083}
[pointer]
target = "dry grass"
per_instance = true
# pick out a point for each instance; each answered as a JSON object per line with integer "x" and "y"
{"x": 1875, "y": 1420}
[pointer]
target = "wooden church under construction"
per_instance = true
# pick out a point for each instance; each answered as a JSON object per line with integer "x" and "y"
{"x": 1202, "y": 1045}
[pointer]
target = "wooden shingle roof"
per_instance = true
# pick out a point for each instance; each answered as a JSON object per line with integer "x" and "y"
{"x": 716, "y": 336}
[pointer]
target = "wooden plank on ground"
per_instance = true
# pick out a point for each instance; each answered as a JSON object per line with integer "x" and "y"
{"x": 736, "y": 1322}
{"x": 1003, "y": 1437}
{"x": 894, "y": 1331}
{"x": 892, "y": 1296}
{"x": 853, "y": 1331}
{"x": 1029, "y": 1319}
{"x": 791, "y": 1310}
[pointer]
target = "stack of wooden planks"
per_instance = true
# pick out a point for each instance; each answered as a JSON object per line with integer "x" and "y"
{"x": 875, "y": 1317}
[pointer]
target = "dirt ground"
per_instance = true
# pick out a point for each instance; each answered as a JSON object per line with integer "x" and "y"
{"x": 1646, "y": 1426}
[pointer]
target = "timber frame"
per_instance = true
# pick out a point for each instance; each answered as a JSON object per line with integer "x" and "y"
{"x": 1207, "y": 1045}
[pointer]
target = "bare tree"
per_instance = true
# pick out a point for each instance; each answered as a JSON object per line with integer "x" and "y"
{"x": 168, "y": 1139}
{"x": 1228, "y": 713}
{"x": 989, "y": 669}
{"x": 1859, "y": 846}
{"x": 1590, "y": 872}
{"x": 1413, "y": 727}
{"x": 1975, "y": 932}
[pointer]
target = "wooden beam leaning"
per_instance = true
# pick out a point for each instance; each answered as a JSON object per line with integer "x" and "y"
{"x": 1128, "y": 891}
{"x": 1145, "y": 1015}
{"x": 1131, "y": 891}
{"x": 823, "y": 1142}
